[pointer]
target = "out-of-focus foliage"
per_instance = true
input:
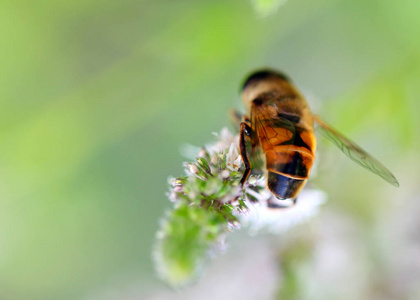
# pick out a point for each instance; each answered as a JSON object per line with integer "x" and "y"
{"x": 97, "y": 96}
{"x": 267, "y": 7}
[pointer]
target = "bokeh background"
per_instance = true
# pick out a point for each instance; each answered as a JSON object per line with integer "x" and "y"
{"x": 97, "y": 97}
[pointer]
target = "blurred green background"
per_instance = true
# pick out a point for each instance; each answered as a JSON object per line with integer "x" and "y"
{"x": 97, "y": 97}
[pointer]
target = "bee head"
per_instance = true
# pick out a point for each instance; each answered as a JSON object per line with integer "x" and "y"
{"x": 260, "y": 82}
{"x": 262, "y": 75}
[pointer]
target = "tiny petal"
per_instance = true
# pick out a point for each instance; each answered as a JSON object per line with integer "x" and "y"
{"x": 225, "y": 174}
{"x": 178, "y": 188}
{"x": 173, "y": 196}
{"x": 233, "y": 160}
{"x": 252, "y": 180}
{"x": 233, "y": 152}
{"x": 191, "y": 168}
{"x": 203, "y": 153}
{"x": 237, "y": 163}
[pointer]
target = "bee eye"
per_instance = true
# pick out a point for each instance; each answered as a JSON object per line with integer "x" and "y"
{"x": 258, "y": 101}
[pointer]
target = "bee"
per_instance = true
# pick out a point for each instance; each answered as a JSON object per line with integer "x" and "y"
{"x": 280, "y": 125}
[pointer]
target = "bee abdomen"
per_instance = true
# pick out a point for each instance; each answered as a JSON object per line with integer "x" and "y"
{"x": 291, "y": 163}
{"x": 284, "y": 187}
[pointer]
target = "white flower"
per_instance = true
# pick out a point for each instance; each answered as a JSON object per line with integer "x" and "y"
{"x": 278, "y": 220}
{"x": 225, "y": 139}
{"x": 191, "y": 168}
{"x": 261, "y": 214}
{"x": 212, "y": 191}
{"x": 233, "y": 159}
{"x": 225, "y": 174}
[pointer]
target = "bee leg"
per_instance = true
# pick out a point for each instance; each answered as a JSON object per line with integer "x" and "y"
{"x": 244, "y": 130}
{"x": 246, "y": 120}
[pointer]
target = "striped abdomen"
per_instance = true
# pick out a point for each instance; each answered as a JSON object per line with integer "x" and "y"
{"x": 289, "y": 157}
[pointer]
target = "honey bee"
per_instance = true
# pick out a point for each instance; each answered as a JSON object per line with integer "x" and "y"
{"x": 281, "y": 126}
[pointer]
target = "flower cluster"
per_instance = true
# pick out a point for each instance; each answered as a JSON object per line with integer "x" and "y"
{"x": 210, "y": 202}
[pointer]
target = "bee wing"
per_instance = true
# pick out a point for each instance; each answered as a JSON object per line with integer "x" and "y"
{"x": 275, "y": 135}
{"x": 271, "y": 130}
{"x": 354, "y": 152}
